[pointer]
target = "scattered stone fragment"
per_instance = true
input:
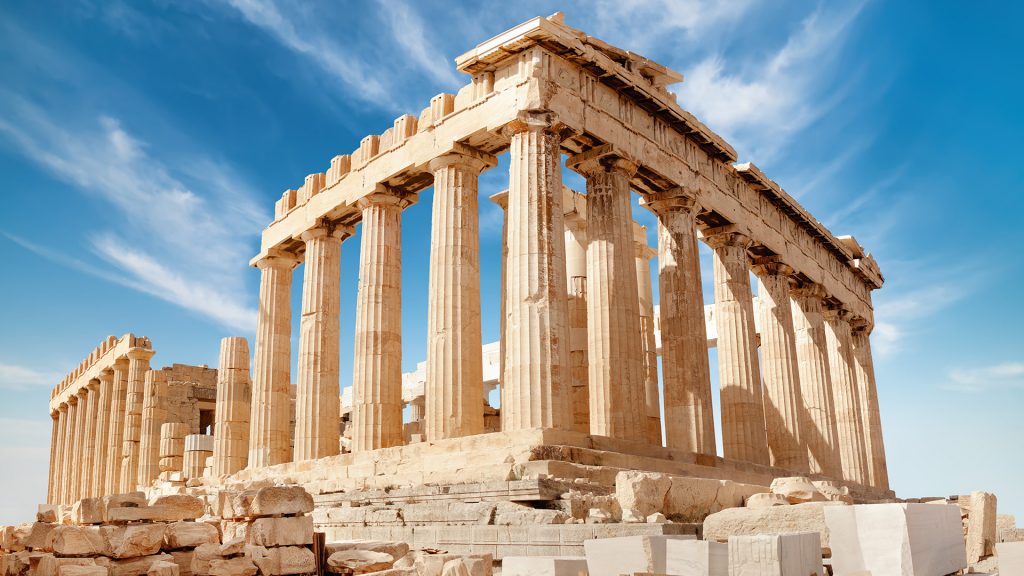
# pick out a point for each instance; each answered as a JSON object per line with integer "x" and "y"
{"x": 797, "y": 490}
{"x": 766, "y": 500}
{"x": 359, "y": 561}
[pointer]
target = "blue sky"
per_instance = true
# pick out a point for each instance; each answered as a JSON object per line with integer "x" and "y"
{"x": 142, "y": 145}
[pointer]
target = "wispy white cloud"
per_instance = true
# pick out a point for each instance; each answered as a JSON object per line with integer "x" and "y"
{"x": 984, "y": 378}
{"x": 661, "y": 21}
{"x": 14, "y": 377}
{"x": 409, "y": 32}
{"x": 759, "y": 105}
{"x": 187, "y": 244}
{"x": 896, "y": 314}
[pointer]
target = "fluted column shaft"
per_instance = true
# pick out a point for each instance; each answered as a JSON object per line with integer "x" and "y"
{"x": 648, "y": 344}
{"x": 686, "y": 374}
{"x": 154, "y": 415}
{"x": 615, "y": 357}
{"x": 743, "y": 426}
{"x": 537, "y": 387}
{"x": 89, "y": 451}
{"x": 81, "y": 408}
{"x": 317, "y": 421}
{"x": 270, "y": 421}
{"x": 501, "y": 199}
{"x": 138, "y": 364}
{"x": 52, "y": 490}
{"x": 783, "y": 404}
{"x": 115, "y": 438}
{"x": 576, "y": 276}
{"x": 819, "y": 424}
{"x": 99, "y": 469}
{"x": 454, "y": 396}
{"x": 63, "y": 448}
{"x": 69, "y": 451}
{"x": 849, "y": 423}
{"x": 231, "y": 430}
{"x": 865, "y": 373}
{"x": 377, "y": 361}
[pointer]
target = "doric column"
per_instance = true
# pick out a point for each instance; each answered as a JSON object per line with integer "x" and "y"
{"x": 106, "y": 396}
{"x": 739, "y": 378}
{"x": 51, "y": 491}
{"x": 154, "y": 414}
{"x": 89, "y": 451}
{"x": 231, "y": 430}
{"x": 78, "y": 454}
{"x": 501, "y": 199}
{"x": 138, "y": 364}
{"x": 849, "y": 425}
{"x": 269, "y": 424}
{"x": 615, "y": 358}
{"x": 115, "y": 437}
{"x": 317, "y": 421}
{"x": 172, "y": 446}
{"x": 377, "y": 362}
{"x": 67, "y": 494}
{"x": 63, "y": 443}
{"x": 649, "y": 347}
{"x": 576, "y": 276}
{"x": 864, "y": 370}
{"x": 535, "y": 393}
{"x": 782, "y": 401}
{"x": 686, "y": 375}
{"x": 818, "y": 426}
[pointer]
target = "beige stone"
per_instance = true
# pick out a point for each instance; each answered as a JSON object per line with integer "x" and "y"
{"x": 809, "y": 517}
{"x": 50, "y": 565}
{"x": 238, "y": 566}
{"x": 981, "y": 525}
{"x": 281, "y": 561}
{"x": 135, "y": 566}
{"x": 833, "y": 491}
{"x": 163, "y": 568}
{"x": 154, "y": 414}
{"x": 474, "y": 564}
{"x": 697, "y": 558}
{"x": 642, "y": 491}
{"x": 294, "y": 531}
{"x": 359, "y": 561}
{"x": 797, "y": 490}
{"x": 396, "y": 550}
{"x": 189, "y": 535}
{"x": 269, "y": 501}
{"x": 692, "y": 499}
{"x": 133, "y": 540}
{"x": 628, "y": 554}
{"x": 77, "y": 541}
{"x": 849, "y": 418}
{"x": 543, "y": 566}
{"x": 766, "y": 500}
{"x": 234, "y": 404}
{"x": 794, "y": 554}
{"x": 203, "y": 555}
{"x": 78, "y": 570}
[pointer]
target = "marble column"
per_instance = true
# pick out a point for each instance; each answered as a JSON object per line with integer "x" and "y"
{"x": 783, "y": 403}
{"x": 818, "y": 424}
{"x": 739, "y": 377}
{"x": 172, "y": 446}
{"x": 649, "y": 347}
{"x": 52, "y": 491}
{"x": 454, "y": 392}
{"x": 686, "y": 374}
{"x": 501, "y": 199}
{"x": 377, "y": 360}
{"x": 270, "y": 420}
{"x": 537, "y": 377}
{"x": 138, "y": 364}
{"x": 864, "y": 369}
{"x": 231, "y": 430}
{"x": 849, "y": 424}
{"x": 103, "y": 415}
{"x": 154, "y": 414}
{"x": 576, "y": 276}
{"x": 115, "y": 437}
{"x": 90, "y": 442}
{"x": 615, "y": 358}
{"x": 317, "y": 420}
{"x": 78, "y": 454}
{"x": 69, "y": 449}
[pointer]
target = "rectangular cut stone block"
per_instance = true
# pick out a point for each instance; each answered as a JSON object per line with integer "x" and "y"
{"x": 1010, "y": 556}
{"x": 50, "y": 565}
{"x": 543, "y": 566}
{"x": 134, "y": 540}
{"x": 77, "y": 541}
{"x": 271, "y": 501}
{"x": 82, "y": 570}
{"x": 776, "y": 555}
{"x": 627, "y": 554}
{"x": 981, "y": 524}
{"x": 696, "y": 558}
{"x": 134, "y": 566}
{"x": 286, "y": 531}
{"x": 282, "y": 561}
{"x": 189, "y": 535}
{"x": 896, "y": 539}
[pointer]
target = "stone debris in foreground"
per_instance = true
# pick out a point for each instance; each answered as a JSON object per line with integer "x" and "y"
{"x": 796, "y": 554}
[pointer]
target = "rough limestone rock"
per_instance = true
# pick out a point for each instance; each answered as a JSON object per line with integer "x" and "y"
{"x": 237, "y": 566}
{"x": 397, "y": 550}
{"x": 276, "y": 500}
{"x": 163, "y": 568}
{"x": 232, "y": 547}
{"x": 656, "y": 518}
{"x": 83, "y": 570}
{"x": 49, "y": 565}
{"x": 359, "y": 561}
{"x": 642, "y": 491}
{"x": 289, "y": 531}
{"x": 48, "y": 513}
{"x": 691, "y": 499}
{"x": 433, "y": 564}
{"x": 797, "y": 490}
{"x": 134, "y": 566}
{"x": 180, "y": 506}
{"x": 981, "y": 524}
{"x": 599, "y": 516}
{"x": 203, "y": 555}
{"x": 134, "y": 540}
{"x": 808, "y": 517}
{"x": 282, "y": 560}
{"x": 455, "y": 567}
{"x": 183, "y": 558}
{"x": 514, "y": 514}
{"x": 77, "y": 541}
{"x": 632, "y": 516}
{"x": 189, "y": 535}
{"x": 833, "y": 491}
{"x": 87, "y": 511}
{"x": 766, "y": 500}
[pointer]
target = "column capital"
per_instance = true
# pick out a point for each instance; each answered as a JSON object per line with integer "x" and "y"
{"x": 106, "y": 375}
{"x": 326, "y": 229}
{"x": 384, "y": 195}
{"x": 836, "y": 312}
{"x": 462, "y": 155}
{"x": 62, "y": 407}
{"x": 772, "y": 266}
{"x": 55, "y": 414}
{"x": 674, "y": 200}
{"x": 501, "y": 199}
{"x": 82, "y": 392}
{"x": 121, "y": 363}
{"x": 72, "y": 400}
{"x": 603, "y": 158}
{"x": 859, "y": 324}
{"x": 93, "y": 384}
{"x": 536, "y": 121}
{"x": 278, "y": 259}
{"x": 727, "y": 235}
{"x": 140, "y": 354}
{"x": 808, "y": 290}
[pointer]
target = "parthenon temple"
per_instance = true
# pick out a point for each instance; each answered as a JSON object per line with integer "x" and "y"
{"x": 593, "y": 378}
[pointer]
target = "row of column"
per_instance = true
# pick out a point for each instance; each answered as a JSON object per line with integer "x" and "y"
{"x": 97, "y": 433}
{"x": 813, "y": 404}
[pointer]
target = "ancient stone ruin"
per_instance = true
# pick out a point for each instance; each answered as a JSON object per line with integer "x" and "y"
{"x": 418, "y": 473}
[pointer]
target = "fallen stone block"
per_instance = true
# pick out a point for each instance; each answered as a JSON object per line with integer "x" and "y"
{"x": 833, "y": 491}
{"x": 87, "y": 511}
{"x": 809, "y": 517}
{"x": 133, "y": 541}
{"x": 132, "y": 566}
{"x": 766, "y": 500}
{"x": 397, "y": 550}
{"x": 269, "y": 501}
{"x": 796, "y": 490}
{"x": 189, "y": 535}
{"x": 696, "y": 558}
{"x": 286, "y": 531}
{"x": 692, "y": 499}
{"x": 282, "y": 560}
{"x": 182, "y": 506}
{"x": 232, "y": 547}
{"x": 1010, "y": 557}
{"x": 77, "y": 541}
{"x": 202, "y": 556}
{"x": 642, "y": 491}
{"x": 50, "y": 565}
{"x": 455, "y": 567}
{"x": 474, "y": 564}
{"x": 776, "y": 555}
{"x": 183, "y": 558}
{"x": 627, "y": 554}
{"x": 163, "y": 568}
{"x": 82, "y": 570}
{"x": 48, "y": 513}
{"x": 358, "y": 561}
{"x": 514, "y": 514}
{"x": 981, "y": 524}
{"x": 543, "y": 566}
{"x": 896, "y": 539}
{"x": 237, "y": 566}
